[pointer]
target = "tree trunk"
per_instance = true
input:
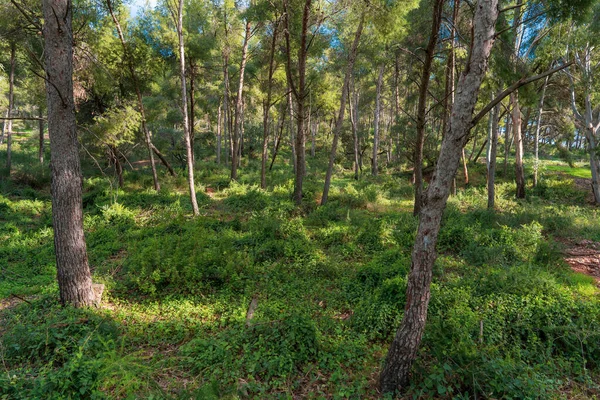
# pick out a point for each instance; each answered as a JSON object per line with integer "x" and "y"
{"x": 192, "y": 114}
{"x": 184, "y": 109}
{"x": 219, "y": 120}
{"x": 344, "y": 97}
{"x": 374, "y": 166}
{"x": 403, "y": 351}
{"x": 281, "y": 126}
{"x": 594, "y": 164}
{"x": 41, "y": 138}
{"x": 353, "y": 107}
{"x": 507, "y": 139}
{"x": 74, "y": 278}
{"x": 493, "y": 149}
{"x": 422, "y": 106}
{"x": 536, "y": 144}
{"x": 267, "y": 107}
{"x": 518, "y": 139}
{"x": 237, "y": 127}
{"x": 291, "y": 129}
{"x": 11, "y": 104}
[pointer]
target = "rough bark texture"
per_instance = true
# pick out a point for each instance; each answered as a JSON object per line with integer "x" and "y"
{"x": 184, "y": 110}
{"x": 344, "y": 97}
{"x": 403, "y": 350}
{"x": 237, "y": 127}
{"x": 376, "y": 118}
{"x": 74, "y": 279}
{"x": 422, "y": 105}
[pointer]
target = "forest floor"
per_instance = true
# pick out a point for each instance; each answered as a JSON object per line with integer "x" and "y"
{"x": 258, "y": 298}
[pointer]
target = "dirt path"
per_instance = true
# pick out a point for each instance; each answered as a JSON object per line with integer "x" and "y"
{"x": 584, "y": 257}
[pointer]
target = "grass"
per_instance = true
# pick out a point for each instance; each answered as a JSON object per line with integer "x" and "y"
{"x": 507, "y": 319}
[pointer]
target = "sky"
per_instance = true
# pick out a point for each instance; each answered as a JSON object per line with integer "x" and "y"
{"x": 137, "y": 5}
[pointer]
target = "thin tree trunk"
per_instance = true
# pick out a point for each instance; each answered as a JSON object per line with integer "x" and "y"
{"x": 184, "y": 109}
{"x": 353, "y": 107}
{"x": 507, "y": 139}
{"x": 422, "y": 106}
{"x": 237, "y": 128}
{"x": 344, "y": 97}
{"x": 219, "y": 121}
{"x": 518, "y": 139}
{"x": 291, "y": 129}
{"x": 41, "y": 138}
{"x": 267, "y": 107}
{"x": 73, "y": 272}
{"x": 536, "y": 163}
{"x": 192, "y": 71}
{"x": 278, "y": 137}
{"x": 493, "y": 149}
{"x": 465, "y": 167}
{"x": 374, "y": 166}
{"x": 11, "y": 104}
{"x": 403, "y": 351}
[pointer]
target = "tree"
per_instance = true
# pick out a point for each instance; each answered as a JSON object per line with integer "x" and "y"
{"x": 403, "y": 350}
{"x": 74, "y": 278}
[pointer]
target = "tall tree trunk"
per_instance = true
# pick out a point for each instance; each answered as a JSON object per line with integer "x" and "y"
{"x": 300, "y": 93}
{"x": 237, "y": 127}
{"x": 278, "y": 137}
{"x": 291, "y": 129}
{"x": 184, "y": 110}
{"x": 11, "y": 104}
{"x": 507, "y": 140}
{"x": 41, "y": 138}
{"x": 376, "y": 118}
{"x": 536, "y": 163}
{"x": 422, "y": 106}
{"x": 267, "y": 107}
{"x": 516, "y": 111}
{"x": 403, "y": 351}
{"x": 226, "y": 130}
{"x": 518, "y": 139}
{"x": 219, "y": 140}
{"x": 492, "y": 152}
{"x": 74, "y": 278}
{"x": 344, "y": 97}
{"x": 353, "y": 107}
{"x": 192, "y": 71}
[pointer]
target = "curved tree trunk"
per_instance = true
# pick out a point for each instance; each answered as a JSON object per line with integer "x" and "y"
{"x": 403, "y": 351}
{"x": 74, "y": 278}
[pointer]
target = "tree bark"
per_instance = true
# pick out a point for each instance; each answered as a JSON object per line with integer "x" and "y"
{"x": 192, "y": 114}
{"x": 518, "y": 139}
{"x": 267, "y": 107}
{"x": 353, "y": 107}
{"x": 73, "y": 272}
{"x": 184, "y": 110}
{"x": 300, "y": 93}
{"x": 376, "y": 118}
{"x": 403, "y": 351}
{"x": 237, "y": 127}
{"x": 422, "y": 106}
{"x": 344, "y": 97}
{"x": 492, "y": 152}
{"x": 41, "y": 138}
{"x": 536, "y": 164}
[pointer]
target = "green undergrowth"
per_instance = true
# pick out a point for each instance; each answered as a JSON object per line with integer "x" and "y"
{"x": 507, "y": 318}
